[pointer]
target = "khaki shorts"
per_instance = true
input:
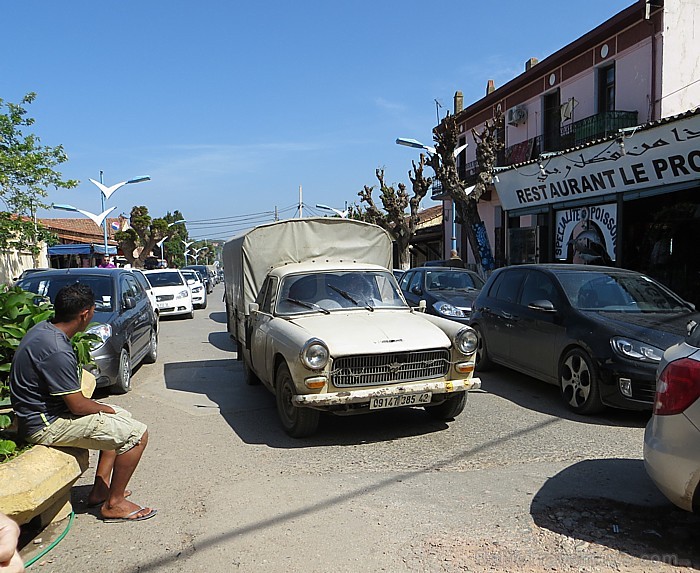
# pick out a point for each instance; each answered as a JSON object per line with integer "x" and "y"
{"x": 118, "y": 432}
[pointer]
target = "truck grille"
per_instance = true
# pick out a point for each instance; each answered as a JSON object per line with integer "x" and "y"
{"x": 376, "y": 369}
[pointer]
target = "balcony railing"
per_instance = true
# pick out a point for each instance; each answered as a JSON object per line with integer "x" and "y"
{"x": 577, "y": 133}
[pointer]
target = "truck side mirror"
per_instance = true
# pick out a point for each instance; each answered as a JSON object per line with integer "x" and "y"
{"x": 253, "y": 307}
{"x": 421, "y": 306}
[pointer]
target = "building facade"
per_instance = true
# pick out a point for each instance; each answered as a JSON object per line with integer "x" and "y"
{"x": 600, "y": 161}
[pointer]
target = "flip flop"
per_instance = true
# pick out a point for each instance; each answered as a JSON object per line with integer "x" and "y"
{"x": 127, "y": 493}
{"x": 129, "y": 518}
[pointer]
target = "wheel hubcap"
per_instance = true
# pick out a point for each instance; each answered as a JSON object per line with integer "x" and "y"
{"x": 576, "y": 380}
{"x": 125, "y": 370}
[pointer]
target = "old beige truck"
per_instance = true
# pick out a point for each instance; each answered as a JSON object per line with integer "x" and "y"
{"x": 319, "y": 320}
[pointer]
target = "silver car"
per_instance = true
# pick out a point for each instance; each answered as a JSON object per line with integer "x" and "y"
{"x": 672, "y": 436}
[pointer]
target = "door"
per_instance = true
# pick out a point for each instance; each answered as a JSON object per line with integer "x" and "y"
{"x": 551, "y": 128}
{"x": 410, "y": 282}
{"x": 260, "y": 346}
{"x": 500, "y": 314}
{"x": 536, "y": 332}
{"x": 136, "y": 321}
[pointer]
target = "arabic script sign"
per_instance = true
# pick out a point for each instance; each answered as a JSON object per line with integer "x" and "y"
{"x": 662, "y": 155}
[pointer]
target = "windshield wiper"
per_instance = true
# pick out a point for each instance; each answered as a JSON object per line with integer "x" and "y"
{"x": 309, "y": 305}
{"x": 349, "y": 297}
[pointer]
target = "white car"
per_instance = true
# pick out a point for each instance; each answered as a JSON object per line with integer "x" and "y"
{"x": 197, "y": 288}
{"x": 173, "y": 296}
{"x": 672, "y": 436}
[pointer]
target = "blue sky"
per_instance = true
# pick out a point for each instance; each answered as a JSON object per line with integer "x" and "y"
{"x": 230, "y": 106}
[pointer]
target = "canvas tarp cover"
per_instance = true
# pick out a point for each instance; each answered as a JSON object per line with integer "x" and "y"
{"x": 249, "y": 257}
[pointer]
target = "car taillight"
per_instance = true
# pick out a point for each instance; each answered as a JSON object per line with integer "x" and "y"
{"x": 678, "y": 387}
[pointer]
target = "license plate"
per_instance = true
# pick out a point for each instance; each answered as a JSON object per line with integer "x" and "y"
{"x": 380, "y": 403}
{"x": 164, "y": 304}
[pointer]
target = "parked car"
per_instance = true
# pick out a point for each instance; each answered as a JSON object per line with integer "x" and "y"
{"x": 197, "y": 288}
{"x": 27, "y": 272}
{"x": 672, "y": 436}
{"x": 597, "y": 332}
{"x": 398, "y": 273}
{"x": 126, "y": 323}
{"x": 204, "y": 271}
{"x": 143, "y": 281}
{"x": 173, "y": 296}
{"x": 447, "y": 291}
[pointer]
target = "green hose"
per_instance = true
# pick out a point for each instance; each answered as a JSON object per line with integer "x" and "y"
{"x": 50, "y": 547}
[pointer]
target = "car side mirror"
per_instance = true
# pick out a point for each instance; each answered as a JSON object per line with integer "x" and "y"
{"x": 416, "y": 290}
{"x": 129, "y": 302}
{"x": 422, "y": 306}
{"x": 253, "y": 307}
{"x": 543, "y": 305}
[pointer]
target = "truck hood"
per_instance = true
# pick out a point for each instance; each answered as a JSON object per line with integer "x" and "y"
{"x": 362, "y": 332}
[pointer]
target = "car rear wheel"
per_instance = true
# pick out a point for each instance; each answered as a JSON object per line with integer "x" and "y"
{"x": 483, "y": 362}
{"x": 297, "y": 422}
{"x": 152, "y": 354}
{"x": 123, "y": 382}
{"x": 449, "y": 409}
{"x": 579, "y": 383}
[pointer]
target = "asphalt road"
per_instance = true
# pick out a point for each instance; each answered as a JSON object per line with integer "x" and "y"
{"x": 515, "y": 483}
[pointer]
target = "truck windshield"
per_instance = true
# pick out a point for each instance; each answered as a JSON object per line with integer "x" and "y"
{"x": 338, "y": 290}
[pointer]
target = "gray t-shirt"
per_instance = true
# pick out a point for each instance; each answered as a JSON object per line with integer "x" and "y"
{"x": 44, "y": 370}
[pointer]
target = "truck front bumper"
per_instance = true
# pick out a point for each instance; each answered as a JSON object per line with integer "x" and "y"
{"x": 331, "y": 399}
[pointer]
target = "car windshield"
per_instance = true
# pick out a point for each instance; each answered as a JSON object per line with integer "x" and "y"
{"x": 452, "y": 280}
{"x": 191, "y": 276}
{"x": 48, "y": 287}
{"x": 323, "y": 292}
{"x": 164, "y": 279}
{"x": 597, "y": 290}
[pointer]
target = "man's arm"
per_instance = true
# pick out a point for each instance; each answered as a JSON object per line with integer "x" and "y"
{"x": 82, "y": 406}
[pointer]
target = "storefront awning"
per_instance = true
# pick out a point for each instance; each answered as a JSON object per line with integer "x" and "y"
{"x": 81, "y": 249}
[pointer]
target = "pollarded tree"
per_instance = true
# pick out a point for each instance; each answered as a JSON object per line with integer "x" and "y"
{"x": 26, "y": 172}
{"x": 444, "y": 164}
{"x": 141, "y": 237}
{"x": 400, "y": 225}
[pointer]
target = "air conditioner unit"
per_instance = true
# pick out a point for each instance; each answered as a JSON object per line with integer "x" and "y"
{"x": 516, "y": 115}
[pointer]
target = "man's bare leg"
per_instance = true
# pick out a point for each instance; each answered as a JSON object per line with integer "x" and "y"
{"x": 124, "y": 465}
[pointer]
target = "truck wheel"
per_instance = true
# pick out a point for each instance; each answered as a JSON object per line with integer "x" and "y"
{"x": 297, "y": 422}
{"x": 449, "y": 409}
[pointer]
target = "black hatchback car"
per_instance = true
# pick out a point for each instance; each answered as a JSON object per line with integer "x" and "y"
{"x": 447, "y": 291}
{"x": 126, "y": 323}
{"x": 598, "y": 333}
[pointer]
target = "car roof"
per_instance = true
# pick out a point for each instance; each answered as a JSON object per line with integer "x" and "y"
{"x": 82, "y": 271}
{"x": 564, "y": 267}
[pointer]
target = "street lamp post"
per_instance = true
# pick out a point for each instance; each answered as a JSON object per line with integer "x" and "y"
{"x": 161, "y": 243}
{"x": 98, "y": 219}
{"x": 342, "y": 214}
{"x": 432, "y": 151}
{"x": 187, "y": 246}
{"x": 106, "y": 193}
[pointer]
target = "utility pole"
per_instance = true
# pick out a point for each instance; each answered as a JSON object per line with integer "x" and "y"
{"x": 276, "y": 215}
{"x": 301, "y": 205}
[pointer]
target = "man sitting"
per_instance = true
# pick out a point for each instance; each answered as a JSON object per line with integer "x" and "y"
{"x": 52, "y": 411}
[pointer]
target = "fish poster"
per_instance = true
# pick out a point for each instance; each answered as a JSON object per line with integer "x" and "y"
{"x": 586, "y": 235}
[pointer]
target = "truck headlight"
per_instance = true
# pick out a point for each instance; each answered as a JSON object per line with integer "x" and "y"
{"x": 103, "y": 331}
{"x": 466, "y": 341}
{"x": 635, "y": 350}
{"x": 314, "y": 355}
{"x": 446, "y": 309}
{"x": 182, "y": 294}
